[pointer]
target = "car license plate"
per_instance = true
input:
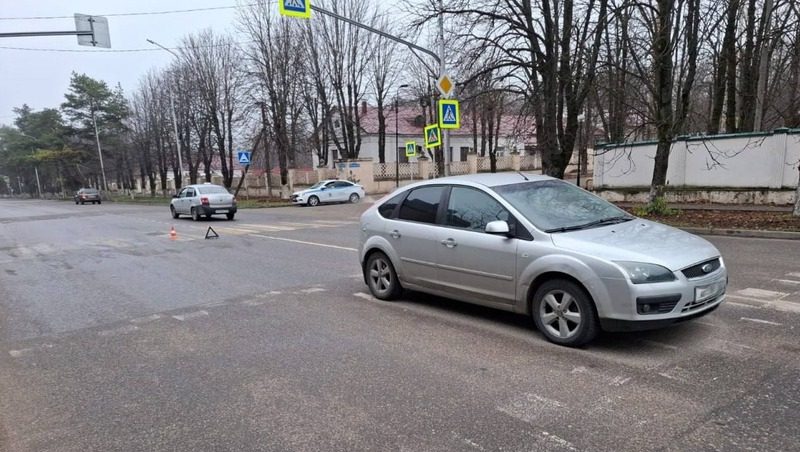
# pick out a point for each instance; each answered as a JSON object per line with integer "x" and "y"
{"x": 222, "y": 211}
{"x": 710, "y": 291}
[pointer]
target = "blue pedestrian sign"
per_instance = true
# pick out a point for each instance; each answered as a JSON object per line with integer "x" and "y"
{"x": 449, "y": 117}
{"x": 295, "y": 8}
{"x": 244, "y": 157}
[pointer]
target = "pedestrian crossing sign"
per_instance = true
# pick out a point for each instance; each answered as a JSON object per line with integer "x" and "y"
{"x": 449, "y": 115}
{"x": 295, "y": 8}
{"x": 433, "y": 136}
{"x": 244, "y": 157}
{"x": 411, "y": 149}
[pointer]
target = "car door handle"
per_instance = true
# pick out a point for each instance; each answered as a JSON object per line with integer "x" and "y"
{"x": 450, "y": 243}
{"x": 395, "y": 234}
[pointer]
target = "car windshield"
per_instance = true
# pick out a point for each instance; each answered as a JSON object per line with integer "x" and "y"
{"x": 558, "y": 206}
{"x": 318, "y": 184}
{"x": 212, "y": 190}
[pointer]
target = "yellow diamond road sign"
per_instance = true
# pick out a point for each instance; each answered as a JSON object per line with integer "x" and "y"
{"x": 445, "y": 85}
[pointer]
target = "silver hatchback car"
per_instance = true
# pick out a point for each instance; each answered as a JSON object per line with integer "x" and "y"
{"x": 541, "y": 247}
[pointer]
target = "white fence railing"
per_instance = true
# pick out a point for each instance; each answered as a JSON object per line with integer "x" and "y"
{"x": 458, "y": 168}
{"x": 388, "y": 171}
{"x": 530, "y": 162}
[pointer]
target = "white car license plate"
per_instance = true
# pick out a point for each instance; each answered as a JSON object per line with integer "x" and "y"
{"x": 222, "y": 211}
{"x": 710, "y": 291}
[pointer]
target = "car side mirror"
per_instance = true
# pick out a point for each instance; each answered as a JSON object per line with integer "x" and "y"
{"x": 497, "y": 228}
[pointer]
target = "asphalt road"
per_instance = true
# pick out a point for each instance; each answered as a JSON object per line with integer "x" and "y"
{"x": 114, "y": 337}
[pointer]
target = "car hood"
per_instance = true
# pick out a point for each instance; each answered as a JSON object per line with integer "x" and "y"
{"x": 305, "y": 192}
{"x": 639, "y": 240}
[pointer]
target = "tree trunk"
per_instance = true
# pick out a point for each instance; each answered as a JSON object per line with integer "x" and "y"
{"x": 662, "y": 65}
{"x": 763, "y": 64}
{"x": 382, "y": 130}
{"x": 729, "y": 50}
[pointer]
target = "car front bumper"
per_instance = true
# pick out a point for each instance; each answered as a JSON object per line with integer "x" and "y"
{"x": 666, "y": 303}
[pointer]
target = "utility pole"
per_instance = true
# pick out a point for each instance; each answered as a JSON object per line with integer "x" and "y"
{"x": 397, "y": 136}
{"x": 99, "y": 151}
{"x": 442, "y": 71}
{"x": 174, "y": 120}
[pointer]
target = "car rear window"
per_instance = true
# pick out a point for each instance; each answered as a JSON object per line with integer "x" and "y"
{"x": 421, "y": 204}
{"x": 213, "y": 190}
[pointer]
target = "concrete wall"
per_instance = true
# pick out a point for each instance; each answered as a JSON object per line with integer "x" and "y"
{"x": 752, "y": 160}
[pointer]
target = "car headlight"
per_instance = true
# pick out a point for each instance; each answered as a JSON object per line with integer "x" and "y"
{"x": 643, "y": 273}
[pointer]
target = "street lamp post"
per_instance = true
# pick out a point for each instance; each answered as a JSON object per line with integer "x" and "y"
{"x": 174, "y": 120}
{"x": 397, "y": 136}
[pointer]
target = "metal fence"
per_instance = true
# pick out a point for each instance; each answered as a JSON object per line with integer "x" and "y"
{"x": 388, "y": 171}
{"x": 458, "y": 168}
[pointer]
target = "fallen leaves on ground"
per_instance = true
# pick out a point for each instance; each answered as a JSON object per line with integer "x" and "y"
{"x": 731, "y": 219}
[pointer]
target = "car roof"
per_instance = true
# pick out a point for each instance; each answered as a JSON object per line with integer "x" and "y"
{"x": 492, "y": 179}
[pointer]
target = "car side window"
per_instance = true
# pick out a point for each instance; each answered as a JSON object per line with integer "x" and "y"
{"x": 182, "y": 194}
{"x": 343, "y": 184}
{"x": 190, "y": 193}
{"x": 421, "y": 205}
{"x": 472, "y": 209}
{"x": 330, "y": 185}
{"x": 387, "y": 209}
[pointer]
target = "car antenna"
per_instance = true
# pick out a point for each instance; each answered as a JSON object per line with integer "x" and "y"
{"x": 523, "y": 176}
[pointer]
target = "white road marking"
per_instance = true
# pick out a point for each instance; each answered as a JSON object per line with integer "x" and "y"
{"x": 303, "y": 242}
{"x": 313, "y": 290}
{"x": 191, "y": 315}
{"x": 765, "y": 322}
{"x": 118, "y": 331}
{"x": 745, "y": 305}
{"x": 760, "y": 293}
{"x": 149, "y": 318}
{"x": 788, "y": 281}
{"x": 530, "y": 407}
{"x": 619, "y": 380}
{"x": 659, "y": 344}
{"x": 557, "y": 440}
{"x": 20, "y": 352}
{"x": 253, "y": 302}
{"x": 700, "y": 322}
{"x": 793, "y": 275}
{"x": 365, "y": 296}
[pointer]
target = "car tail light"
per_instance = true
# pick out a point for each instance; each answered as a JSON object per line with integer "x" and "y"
{"x": 204, "y": 200}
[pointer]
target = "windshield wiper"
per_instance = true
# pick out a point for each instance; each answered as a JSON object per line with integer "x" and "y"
{"x": 601, "y": 222}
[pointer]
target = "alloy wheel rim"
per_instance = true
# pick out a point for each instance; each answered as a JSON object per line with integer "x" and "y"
{"x": 560, "y": 314}
{"x": 380, "y": 275}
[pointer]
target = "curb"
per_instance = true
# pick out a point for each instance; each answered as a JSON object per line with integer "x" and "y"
{"x": 744, "y": 233}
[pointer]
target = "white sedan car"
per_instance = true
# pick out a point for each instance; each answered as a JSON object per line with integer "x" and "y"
{"x": 332, "y": 190}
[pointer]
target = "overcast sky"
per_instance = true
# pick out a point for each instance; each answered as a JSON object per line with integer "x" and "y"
{"x": 40, "y": 79}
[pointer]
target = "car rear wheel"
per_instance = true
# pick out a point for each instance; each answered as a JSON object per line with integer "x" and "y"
{"x": 354, "y": 198}
{"x": 99, "y": 202}
{"x": 313, "y": 201}
{"x": 382, "y": 278}
{"x": 173, "y": 212}
{"x": 195, "y": 214}
{"x": 230, "y": 216}
{"x": 564, "y": 313}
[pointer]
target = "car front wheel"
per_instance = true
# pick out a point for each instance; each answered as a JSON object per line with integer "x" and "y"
{"x": 195, "y": 214}
{"x": 230, "y": 216}
{"x": 313, "y": 201}
{"x": 564, "y": 313}
{"x": 173, "y": 212}
{"x": 382, "y": 278}
{"x": 354, "y": 198}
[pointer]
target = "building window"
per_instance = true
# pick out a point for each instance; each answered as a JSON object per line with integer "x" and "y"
{"x": 464, "y": 152}
{"x": 402, "y": 153}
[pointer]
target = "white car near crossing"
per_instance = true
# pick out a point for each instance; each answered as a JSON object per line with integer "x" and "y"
{"x": 331, "y": 190}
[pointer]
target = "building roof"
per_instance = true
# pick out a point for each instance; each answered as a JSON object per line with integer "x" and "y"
{"x": 511, "y": 125}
